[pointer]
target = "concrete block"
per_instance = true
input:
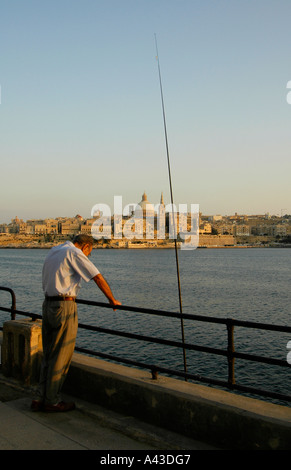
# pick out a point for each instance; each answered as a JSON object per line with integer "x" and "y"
{"x": 21, "y": 344}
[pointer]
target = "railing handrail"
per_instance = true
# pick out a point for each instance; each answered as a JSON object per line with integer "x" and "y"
{"x": 190, "y": 316}
{"x": 203, "y": 318}
{"x": 229, "y": 353}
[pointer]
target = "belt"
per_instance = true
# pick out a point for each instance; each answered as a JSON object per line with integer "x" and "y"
{"x": 59, "y": 298}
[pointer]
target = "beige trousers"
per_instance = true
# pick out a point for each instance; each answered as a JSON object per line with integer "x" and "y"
{"x": 59, "y": 331}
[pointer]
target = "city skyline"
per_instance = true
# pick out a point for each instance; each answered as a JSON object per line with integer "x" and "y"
{"x": 128, "y": 205}
{"x": 148, "y": 225}
{"x": 129, "y": 209}
{"x": 80, "y": 108}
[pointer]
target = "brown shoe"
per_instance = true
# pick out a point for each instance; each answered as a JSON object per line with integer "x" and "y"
{"x": 59, "y": 407}
{"x": 36, "y": 405}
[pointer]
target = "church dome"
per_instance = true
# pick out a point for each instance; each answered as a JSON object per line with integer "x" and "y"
{"x": 145, "y": 204}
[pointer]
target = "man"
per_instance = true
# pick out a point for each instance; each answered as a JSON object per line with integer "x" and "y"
{"x": 64, "y": 268}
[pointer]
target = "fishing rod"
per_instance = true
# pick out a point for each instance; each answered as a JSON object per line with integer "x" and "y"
{"x": 172, "y": 203}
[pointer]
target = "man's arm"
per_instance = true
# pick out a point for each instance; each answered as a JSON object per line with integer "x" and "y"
{"x": 104, "y": 287}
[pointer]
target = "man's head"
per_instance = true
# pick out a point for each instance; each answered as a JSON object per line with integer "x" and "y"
{"x": 84, "y": 243}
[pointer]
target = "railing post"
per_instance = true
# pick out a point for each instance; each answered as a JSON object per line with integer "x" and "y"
{"x": 230, "y": 352}
{"x": 154, "y": 374}
{"x": 13, "y": 305}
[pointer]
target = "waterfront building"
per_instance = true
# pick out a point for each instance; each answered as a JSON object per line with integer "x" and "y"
{"x": 241, "y": 230}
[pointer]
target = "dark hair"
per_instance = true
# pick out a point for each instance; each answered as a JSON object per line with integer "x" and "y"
{"x": 83, "y": 239}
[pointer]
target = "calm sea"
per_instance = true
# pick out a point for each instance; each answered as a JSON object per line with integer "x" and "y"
{"x": 246, "y": 284}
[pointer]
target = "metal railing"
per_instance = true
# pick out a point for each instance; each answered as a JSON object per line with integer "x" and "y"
{"x": 229, "y": 353}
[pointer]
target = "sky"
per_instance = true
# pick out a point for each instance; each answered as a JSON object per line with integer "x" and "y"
{"x": 81, "y": 116}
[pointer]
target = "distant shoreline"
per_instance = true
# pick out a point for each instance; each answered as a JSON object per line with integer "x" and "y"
{"x": 47, "y": 247}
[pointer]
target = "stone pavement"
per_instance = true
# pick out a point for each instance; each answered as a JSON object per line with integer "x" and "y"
{"x": 88, "y": 427}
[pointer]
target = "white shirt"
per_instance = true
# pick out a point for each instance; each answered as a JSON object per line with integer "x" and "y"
{"x": 64, "y": 268}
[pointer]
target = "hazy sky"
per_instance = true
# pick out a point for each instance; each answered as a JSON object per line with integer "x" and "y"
{"x": 81, "y": 118}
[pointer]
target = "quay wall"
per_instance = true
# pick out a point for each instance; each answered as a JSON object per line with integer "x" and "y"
{"x": 213, "y": 416}
{"x": 207, "y": 414}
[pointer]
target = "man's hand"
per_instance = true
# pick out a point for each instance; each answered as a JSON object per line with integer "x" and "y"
{"x": 114, "y": 302}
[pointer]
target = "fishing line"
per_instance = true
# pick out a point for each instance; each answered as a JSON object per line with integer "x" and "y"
{"x": 172, "y": 203}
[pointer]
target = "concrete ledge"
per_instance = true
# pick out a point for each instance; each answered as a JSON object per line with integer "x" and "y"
{"x": 210, "y": 415}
